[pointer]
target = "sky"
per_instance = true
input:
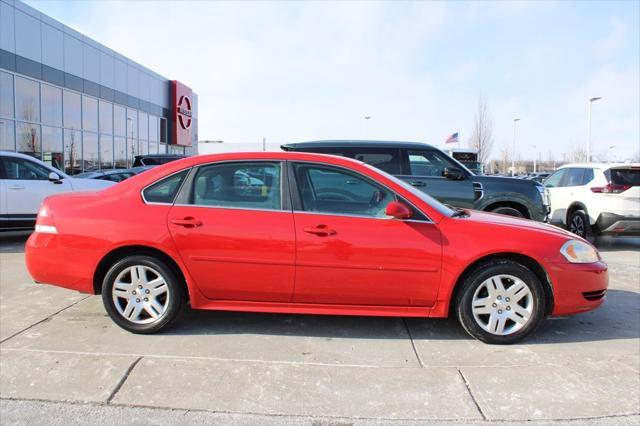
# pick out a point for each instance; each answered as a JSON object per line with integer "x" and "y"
{"x": 296, "y": 71}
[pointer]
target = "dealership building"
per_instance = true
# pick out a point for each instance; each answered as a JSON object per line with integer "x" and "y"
{"x": 80, "y": 106}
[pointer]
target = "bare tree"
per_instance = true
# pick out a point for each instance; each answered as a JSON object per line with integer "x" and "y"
{"x": 576, "y": 154}
{"x": 30, "y": 140}
{"x": 482, "y": 134}
{"x": 505, "y": 159}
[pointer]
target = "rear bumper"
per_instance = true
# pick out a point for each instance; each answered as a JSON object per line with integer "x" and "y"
{"x": 50, "y": 262}
{"x": 578, "y": 287}
{"x": 613, "y": 224}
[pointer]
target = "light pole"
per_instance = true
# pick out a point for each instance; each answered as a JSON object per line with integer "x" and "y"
{"x": 535, "y": 156}
{"x": 591, "y": 101}
{"x": 367, "y": 118}
{"x": 513, "y": 154}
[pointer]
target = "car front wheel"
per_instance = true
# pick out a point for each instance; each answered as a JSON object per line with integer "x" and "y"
{"x": 500, "y": 302}
{"x": 142, "y": 294}
{"x": 579, "y": 224}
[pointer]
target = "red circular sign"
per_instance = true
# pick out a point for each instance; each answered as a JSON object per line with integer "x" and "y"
{"x": 184, "y": 112}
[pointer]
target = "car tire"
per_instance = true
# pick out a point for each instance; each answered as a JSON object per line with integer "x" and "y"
{"x": 508, "y": 211}
{"x": 578, "y": 223}
{"x": 500, "y": 302}
{"x": 142, "y": 294}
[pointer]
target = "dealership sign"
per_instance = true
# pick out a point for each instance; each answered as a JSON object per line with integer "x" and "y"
{"x": 182, "y": 114}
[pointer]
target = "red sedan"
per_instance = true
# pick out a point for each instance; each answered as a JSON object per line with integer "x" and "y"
{"x": 310, "y": 234}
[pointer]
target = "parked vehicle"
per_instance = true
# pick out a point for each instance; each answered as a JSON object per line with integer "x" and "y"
{"x": 538, "y": 176}
{"x": 432, "y": 171}
{"x": 155, "y": 159}
{"x": 309, "y": 234}
{"x": 113, "y": 175}
{"x": 591, "y": 199}
{"x": 25, "y": 181}
{"x": 467, "y": 157}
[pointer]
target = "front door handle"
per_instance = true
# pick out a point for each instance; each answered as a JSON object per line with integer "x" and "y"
{"x": 187, "y": 222}
{"x": 16, "y": 187}
{"x": 320, "y": 230}
{"x": 417, "y": 183}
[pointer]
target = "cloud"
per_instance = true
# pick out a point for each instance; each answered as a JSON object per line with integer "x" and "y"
{"x": 614, "y": 41}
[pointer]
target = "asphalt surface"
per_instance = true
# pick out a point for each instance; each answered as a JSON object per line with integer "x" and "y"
{"x": 62, "y": 361}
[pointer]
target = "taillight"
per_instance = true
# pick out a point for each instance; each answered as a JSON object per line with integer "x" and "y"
{"x": 44, "y": 222}
{"x": 610, "y": 189}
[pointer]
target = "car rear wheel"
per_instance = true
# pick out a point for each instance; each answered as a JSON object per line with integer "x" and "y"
{"x": 508, "y": 211}
{"x": 500, "y": 302}
{"x": 579, "y": 224}
{"x": 142, "y": 294}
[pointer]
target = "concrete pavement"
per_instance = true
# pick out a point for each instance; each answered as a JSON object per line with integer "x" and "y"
{"x": 60, "y": 353}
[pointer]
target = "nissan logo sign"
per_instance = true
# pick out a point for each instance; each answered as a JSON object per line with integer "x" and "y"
{"x": 184, "y": 112}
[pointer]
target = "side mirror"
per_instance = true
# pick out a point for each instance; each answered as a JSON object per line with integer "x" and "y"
{"x": 54, "y": 177}
{"x": 452, "y": 173}
{"x": 398, "y": 210}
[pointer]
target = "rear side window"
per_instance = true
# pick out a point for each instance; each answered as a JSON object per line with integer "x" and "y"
{"x": 165, "y": 190}
{"x": 629, "y": 177}
{"x": 238, "y": 185}
{"x": 588, "y": 176}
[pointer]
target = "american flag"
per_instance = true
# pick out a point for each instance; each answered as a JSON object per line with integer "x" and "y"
{"x": 452, "y": 139}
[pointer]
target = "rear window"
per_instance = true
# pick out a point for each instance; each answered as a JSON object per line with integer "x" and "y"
{"x": 630, "y": 176}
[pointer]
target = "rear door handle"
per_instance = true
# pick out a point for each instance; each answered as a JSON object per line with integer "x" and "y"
{"x": 16, "y": 187}
{"x": 417, "y": 183}
{"x": 187, "y": 222}
{"x": 320, "y": 230}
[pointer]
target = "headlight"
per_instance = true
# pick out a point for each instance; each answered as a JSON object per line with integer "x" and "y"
{"x": 578, "y": 252}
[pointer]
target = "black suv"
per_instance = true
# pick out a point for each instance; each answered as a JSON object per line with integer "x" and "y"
{"x": 441, "y": 176}
{"x": 155, "y": 159}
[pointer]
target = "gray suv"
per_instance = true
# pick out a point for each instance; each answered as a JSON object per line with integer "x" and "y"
{"x": 441, "y": 176}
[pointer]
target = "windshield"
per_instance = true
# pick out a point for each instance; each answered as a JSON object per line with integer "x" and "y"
{"x": 441, "y": 208}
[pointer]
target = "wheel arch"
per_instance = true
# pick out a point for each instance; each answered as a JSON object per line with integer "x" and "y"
{"x": 509, "y": 203}
{"x": 576, "y": 205}
{"x": 123, "y": 251}
{"x": 525, "y": 260}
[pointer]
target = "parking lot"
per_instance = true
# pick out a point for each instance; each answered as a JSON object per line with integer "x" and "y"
{"x": 63, "y": 359}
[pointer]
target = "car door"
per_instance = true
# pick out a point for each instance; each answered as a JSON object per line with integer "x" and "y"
{"x": 561, "y": 187}
{"x": 424, "y": 169}
{"x": 348, "y": 252}
{"x": 26, "y": 184}
{"x": 233, "y": 227}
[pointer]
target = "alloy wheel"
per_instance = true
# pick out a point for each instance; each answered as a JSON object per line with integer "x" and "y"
{"x": 502, "y": 304}
{"x": 140, "y": 294}
{"x": 577, "y": 225}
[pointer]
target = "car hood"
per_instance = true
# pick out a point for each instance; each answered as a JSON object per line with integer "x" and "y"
{"x": 519, "y": 223}
{"x": 79, "y": 184}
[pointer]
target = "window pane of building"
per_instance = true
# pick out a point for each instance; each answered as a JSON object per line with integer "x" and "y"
{"x": 143, "y": 147}
{"x": 51, "y": 105}
{"x": 106, "y": 117}
{"x": 153, "y": 128}
{"x": 28, "y": 138}
{"x": 7, "y": 135}
{"x": 119, "y": 120}
{"x": 27, "y": 99}
{"x": 143, "y": 126}
{"x": 175, "y": 149}
{"x": 120, "y": 152}
{"x": 162, "y": 148}
{"x": 132, "y": 124}
{"x": 89, "y": 114}
{"x": 153, "y": 147}
{"x": 6, "y": 95}
{"x": 72, "y": 151}
{"x": 163, "y": 130}
{"x": 106, "y": 151}
{"x": 52, "y": 152}
{"x": 90, "y": 151}
{"x": 72, "y": 110}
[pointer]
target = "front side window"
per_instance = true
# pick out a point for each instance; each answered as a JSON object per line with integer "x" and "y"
{"x": 238, "y": 185}
{"x": 22, "y": 169}
{"x": 573, "y": 177}
{"x": 429, "y": 163}
{"x": 331, "y": 190}
{"x": 553, "y": 181}
{"x": 165, "y": 190}
{"x": 383, "y": 159}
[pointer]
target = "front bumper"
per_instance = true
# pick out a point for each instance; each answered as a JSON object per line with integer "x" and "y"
{"x": 613, "y": 224}
{"x": 578, "y": 287}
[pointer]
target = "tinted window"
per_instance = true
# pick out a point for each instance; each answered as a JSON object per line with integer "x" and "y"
{"x": 629, "y": 176}
{"x": 19, "y": 168}
{"x": 587, "y": 177}
{"x": 573, "y": 177}
{"x": 553, "y": 181}
{"x": 331, "y": 190}
{"x": 238, "y": 185}
{"x": 429, "y": 163}
{"x": 51, "y": 105}
{"x": 383, "y": 159}
{"x": 72, "y": 110}
{"x": 165, "y": 190}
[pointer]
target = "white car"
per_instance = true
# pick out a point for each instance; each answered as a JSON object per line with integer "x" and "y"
{"x": 25, "y": 181}
{"x": 591, "y": 199}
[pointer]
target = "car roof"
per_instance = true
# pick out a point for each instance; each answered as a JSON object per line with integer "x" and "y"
{"x": 356, "y": 144}
{"x": 599, "y": 165}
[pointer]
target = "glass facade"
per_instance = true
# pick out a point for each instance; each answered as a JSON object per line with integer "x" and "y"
{"x": 73, "y": 131}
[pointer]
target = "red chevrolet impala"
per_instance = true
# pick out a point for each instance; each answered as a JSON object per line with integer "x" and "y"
{"x": 309, "y": 234}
